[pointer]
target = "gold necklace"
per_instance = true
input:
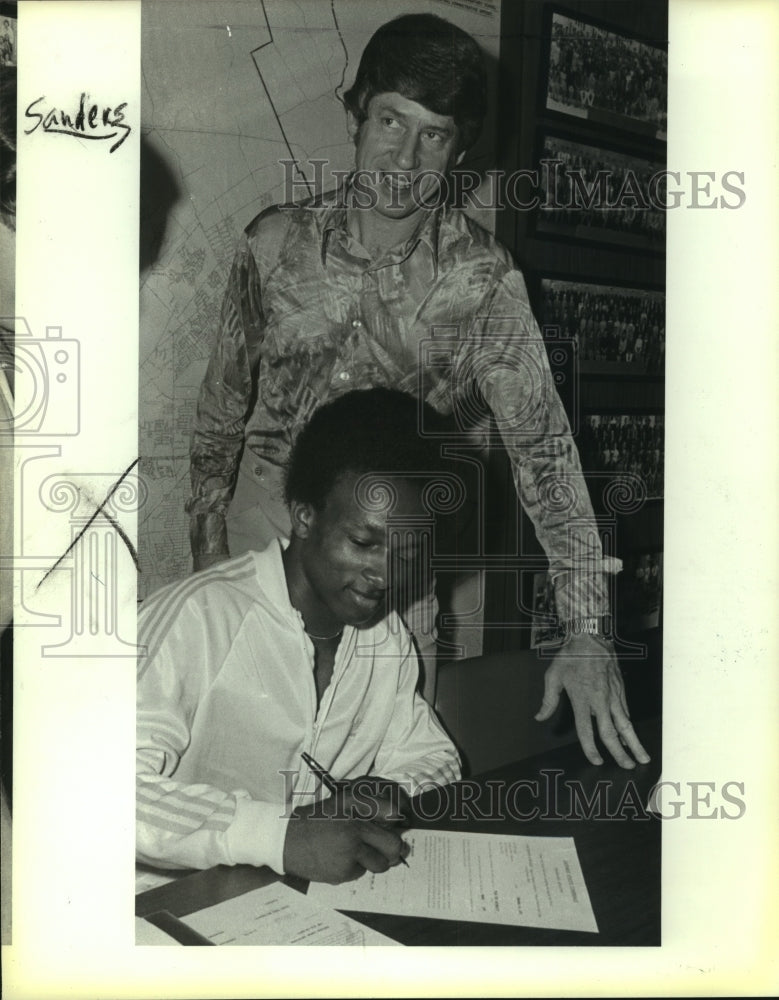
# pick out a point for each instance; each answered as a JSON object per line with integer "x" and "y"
{"x": 324, "y": 638}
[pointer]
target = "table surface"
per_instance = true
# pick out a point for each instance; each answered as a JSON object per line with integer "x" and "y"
{"x": 618, "y": 846}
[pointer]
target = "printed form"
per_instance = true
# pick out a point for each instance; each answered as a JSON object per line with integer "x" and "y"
{"x": 487, "y": 878}
{"x": 276, "y": 915}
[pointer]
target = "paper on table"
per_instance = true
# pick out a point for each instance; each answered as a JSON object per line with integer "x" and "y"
{"x": 277, "y": 914}
{"x": 483, "y": 877}
{"x": 146, "y": 933}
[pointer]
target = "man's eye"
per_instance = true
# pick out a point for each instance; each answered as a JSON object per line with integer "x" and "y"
{"x": 434, "y": 137}
{"x": 362, "y": 543}
{"x": 389, "y": 122}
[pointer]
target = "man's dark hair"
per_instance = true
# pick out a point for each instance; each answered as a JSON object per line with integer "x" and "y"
{"x": 428, "y": 60}
{"x": 364, "y": 431}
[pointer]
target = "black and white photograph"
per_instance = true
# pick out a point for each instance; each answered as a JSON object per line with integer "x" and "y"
{"x": 356, "y": 587}
{"x": 605, "y": 77}
{"x": 600, "y": 194}
{"x": 617, "y": 330}
{"x": 309, "y": 300}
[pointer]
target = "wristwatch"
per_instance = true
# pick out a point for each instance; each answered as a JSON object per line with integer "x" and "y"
{"x": 599, "y": 626}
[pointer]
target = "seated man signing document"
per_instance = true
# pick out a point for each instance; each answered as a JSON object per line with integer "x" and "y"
{"x": 293, "y": 650}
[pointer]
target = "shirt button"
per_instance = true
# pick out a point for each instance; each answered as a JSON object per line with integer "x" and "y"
{"x": 356, "y": 323}
{"x": 344, "y": 376}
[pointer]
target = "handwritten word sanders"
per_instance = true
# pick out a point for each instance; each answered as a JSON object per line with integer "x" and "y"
{"x": 89, "y": 121}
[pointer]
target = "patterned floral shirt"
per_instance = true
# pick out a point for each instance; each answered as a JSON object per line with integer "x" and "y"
{"x": 308, "y": 314}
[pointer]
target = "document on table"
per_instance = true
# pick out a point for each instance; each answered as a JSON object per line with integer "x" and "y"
{"x": 277, "y": 914}
{"x": 146, "y": 933}
{"x": 483, "y": 877}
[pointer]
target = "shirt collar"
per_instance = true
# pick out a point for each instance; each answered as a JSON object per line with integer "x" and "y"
{"x": 334, "y": 222}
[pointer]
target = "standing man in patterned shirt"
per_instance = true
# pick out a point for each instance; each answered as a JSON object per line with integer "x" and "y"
{"x": 381, "y": 283}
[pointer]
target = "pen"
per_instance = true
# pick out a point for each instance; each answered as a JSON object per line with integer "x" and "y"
{"x": 324, "y": 776}
{"x": 327, "y": 780}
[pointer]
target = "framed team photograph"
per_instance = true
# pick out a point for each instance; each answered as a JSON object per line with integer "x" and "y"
{"x": 639, "y": 592}
{"x": 602, "y": 76}
{"x": 600, "y": 194}
{"x": 629, "y": 446}
{"x": 617, "y": 330}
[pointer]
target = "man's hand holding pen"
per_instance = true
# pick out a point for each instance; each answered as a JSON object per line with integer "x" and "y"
{"x": 339, "y": 838}
{"x": 326, "y": 842}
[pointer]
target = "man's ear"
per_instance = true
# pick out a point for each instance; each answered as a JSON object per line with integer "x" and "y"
{"x": 302, "y": 517}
